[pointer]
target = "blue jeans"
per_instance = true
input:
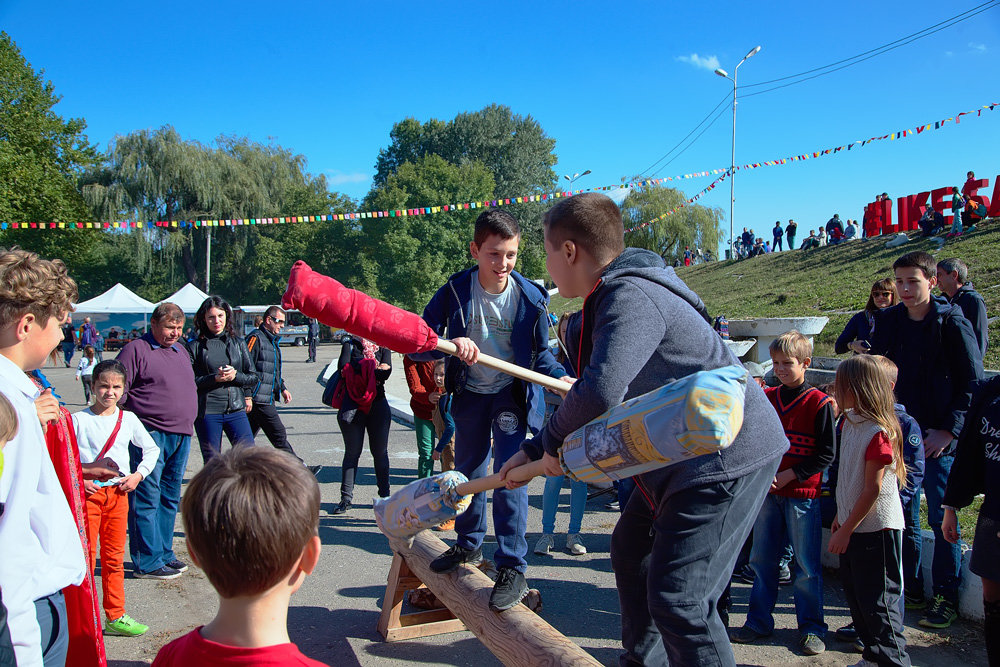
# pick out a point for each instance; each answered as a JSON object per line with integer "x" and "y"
{"x": 477, "y": 417}
{"x": 152, "y": 510}
{"x": 797, "y": 520}
{"x": 550, "y": 504}
{"x": 673, "y": 563}
{"x": 913, "y": 581}
{"x": 68, "y": 349}
{"x": 946, "y": 567}
{"x": 209, "y": 428}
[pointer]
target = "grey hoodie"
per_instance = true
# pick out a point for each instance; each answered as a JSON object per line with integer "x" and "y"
{"x": 642, "y": 327}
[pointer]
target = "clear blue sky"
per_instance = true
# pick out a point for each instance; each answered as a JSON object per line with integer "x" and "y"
{"x": 616, "y": 85}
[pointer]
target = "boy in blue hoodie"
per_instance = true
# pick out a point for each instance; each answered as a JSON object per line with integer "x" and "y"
{"x": 492, "y": 308}
{"x": 676, "y": 542}
{"x": 935, "y": 349}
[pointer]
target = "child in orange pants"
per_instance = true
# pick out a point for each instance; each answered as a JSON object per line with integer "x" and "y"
{"x": 105, "y": 430}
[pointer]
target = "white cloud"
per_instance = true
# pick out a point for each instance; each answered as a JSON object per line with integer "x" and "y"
{"x": 711, "y": 63}
{"x": 334, "y": 177}
{"x": 980, "y": 48}
{"x": 948, "y": 54}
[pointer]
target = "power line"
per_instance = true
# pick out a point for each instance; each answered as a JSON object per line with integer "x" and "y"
{"x": 717, "y": 117}
{"x": 695, "y": 129}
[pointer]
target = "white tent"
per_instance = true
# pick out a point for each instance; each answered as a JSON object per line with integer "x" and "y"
{"x": 118, "y": 299}
{"x": 189, "y": 298}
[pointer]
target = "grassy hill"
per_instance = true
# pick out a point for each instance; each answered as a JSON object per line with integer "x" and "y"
{"x": 832, "y": 281}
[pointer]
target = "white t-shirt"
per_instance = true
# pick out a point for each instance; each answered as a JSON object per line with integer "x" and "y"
{"x": 92, "y": 433}
{"x": 40, "y": 549}
{"x": 491, "y": 324}
{"x": 86, "y": 367}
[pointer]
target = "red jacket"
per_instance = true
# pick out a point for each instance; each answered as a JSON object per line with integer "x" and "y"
{"x": 420, "y": 380}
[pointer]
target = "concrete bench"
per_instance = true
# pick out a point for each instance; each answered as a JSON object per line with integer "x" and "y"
{"x": 763, "y": 330}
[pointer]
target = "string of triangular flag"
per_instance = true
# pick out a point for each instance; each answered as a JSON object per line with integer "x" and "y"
{"x": 433, "y": 210}
{"x": 687, "y": 202}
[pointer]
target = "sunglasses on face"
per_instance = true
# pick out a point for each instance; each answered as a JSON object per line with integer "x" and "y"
{"x": 277, "y": 321}
{"x": 883, "y": 294}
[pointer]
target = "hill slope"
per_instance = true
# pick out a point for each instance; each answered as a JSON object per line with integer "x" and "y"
{"x": 833, "y": 282}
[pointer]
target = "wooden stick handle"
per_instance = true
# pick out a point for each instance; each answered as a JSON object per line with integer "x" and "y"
{"x": 518, "y": 474}
{"x": 446, "y": 346}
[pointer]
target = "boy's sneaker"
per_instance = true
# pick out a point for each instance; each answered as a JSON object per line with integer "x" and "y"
{"x": 125, "y": 627}
{"x": 811, "y": 644}
{"x": 454, "y": 557}
{"x": 447, "y": 525}
{"x": 162, "y": 574}
{"x": 745, "y": 635}
{"x": 847, "y": 633}
{"x": 509, "y": 590}
{"x": 745, "y": 574}
{"x": 178, "y": 565}
{"x": 859, "y": 646}
{"x": 941, "y": 614}
{"x": 574, "y": 545}
{"x": 914, "y": 601}
{"x": 544, "y": 545}
{"x": 784, "y": 575}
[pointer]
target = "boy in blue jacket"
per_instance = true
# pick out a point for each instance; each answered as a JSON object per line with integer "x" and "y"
{"x": 676, "y": 542}
{"x": 492, "y": 308}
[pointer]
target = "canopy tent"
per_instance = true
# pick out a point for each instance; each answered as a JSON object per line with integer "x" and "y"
{"x": 118, "y": 299}
{"x": 189, "y": 298}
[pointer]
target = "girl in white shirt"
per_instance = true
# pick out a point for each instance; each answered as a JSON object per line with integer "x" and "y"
{"x": 106, "y": 430}
{"x": 85, "y": 370}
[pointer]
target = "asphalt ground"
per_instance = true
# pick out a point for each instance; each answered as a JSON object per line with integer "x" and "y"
{"x": 333, "y": 617}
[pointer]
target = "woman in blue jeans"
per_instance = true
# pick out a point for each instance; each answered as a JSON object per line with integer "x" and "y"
{"x": 225, "y": 377}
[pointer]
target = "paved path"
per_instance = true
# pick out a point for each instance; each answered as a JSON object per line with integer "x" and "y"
{"x": 333, "y": 616}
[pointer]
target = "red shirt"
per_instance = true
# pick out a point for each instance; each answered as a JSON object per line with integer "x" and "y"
{"x": 879, "y": 449}
{"x": 193, "y": 650}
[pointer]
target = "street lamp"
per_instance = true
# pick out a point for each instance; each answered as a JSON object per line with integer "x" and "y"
{"x": 575, "y": 176}
{"x": 732, "y": 171}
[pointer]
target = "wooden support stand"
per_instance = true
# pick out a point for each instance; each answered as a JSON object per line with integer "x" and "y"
{"x": 516, "y": 636}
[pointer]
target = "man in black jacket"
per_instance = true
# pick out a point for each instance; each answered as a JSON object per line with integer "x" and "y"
{"x": 935, "y": 349}
{"x": 953, "y": 279}
{"x": 266, "y": 355}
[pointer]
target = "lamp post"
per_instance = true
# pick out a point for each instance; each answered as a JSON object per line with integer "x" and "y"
{"x": 732, "y": 170}
{"x": 575, "y": 176}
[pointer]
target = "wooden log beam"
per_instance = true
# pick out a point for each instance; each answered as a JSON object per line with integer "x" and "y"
{"x": 516, "y": 637}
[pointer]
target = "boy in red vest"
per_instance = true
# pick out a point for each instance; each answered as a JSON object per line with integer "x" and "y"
{"x": 791, "y": 511}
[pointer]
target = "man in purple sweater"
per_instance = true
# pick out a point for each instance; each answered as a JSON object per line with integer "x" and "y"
{"x": 160, "y": 390}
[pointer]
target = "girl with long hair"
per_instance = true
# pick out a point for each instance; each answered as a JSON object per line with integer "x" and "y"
{"x": 859, "y": 328}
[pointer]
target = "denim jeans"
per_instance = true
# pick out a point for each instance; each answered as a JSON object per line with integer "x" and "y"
{"x": 672, "y": 565}
{"x": 477, "y": 417}
{"x": 152, "y": 510}
{"x": 946, "y": 566}
{"x": 68, "y": 350}
{"x": 210, "y": 428}
{"x": 913, "y": 579}
{"x": 550, "y": 504}
{"x": 798, "y": 521}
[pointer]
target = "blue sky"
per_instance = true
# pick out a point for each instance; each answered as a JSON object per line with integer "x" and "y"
{"x": 616, "y": 85}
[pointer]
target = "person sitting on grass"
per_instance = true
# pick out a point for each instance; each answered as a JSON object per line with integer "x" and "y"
{"x": 266, "y": 505}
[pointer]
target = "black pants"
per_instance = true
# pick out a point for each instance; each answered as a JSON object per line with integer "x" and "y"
{"x": 872, "y": 574}
{"x": 312, "y": 349}
{"x": 376, "y": 423}
{"x": 266, "y": 417}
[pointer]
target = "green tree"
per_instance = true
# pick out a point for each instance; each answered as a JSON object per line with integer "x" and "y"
{"x": 41, "y": 154}
{"x": 693, "y": 225}
{"x": 405, "y": 259}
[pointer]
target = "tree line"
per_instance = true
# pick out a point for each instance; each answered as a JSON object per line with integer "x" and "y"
{"x": 50, "y": 172}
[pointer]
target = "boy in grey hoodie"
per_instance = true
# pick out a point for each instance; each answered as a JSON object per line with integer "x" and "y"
{"x": 675, "y": 545}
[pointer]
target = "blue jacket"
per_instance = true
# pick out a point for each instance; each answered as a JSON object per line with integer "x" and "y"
{"x": 448, "y": 314}
{"x": 858, "y": 328}
{"x": 913, "y": 453}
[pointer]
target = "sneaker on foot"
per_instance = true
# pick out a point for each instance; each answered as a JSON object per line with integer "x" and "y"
{"x": 574, "y": 545}
{"x": 847, "y": 633}
{"x": 178, "y": 565}
{"x": 745, "y": 635}
{"x": 454, "y": 557}
{"x": 447, "y": 525}
{"x": 341, "y": 507}
{"x": 941, "y": 614}
{"x": 859, "y": 646}
{"x": 811, "y": 644}
{"x": 914, "y": 601}
{"x": 544, "y": 545}
{"x": 744, "y": 574}
{"x": 125, "y": 627}
{"x": 784, "y": 575}
{"x": 162, "y": 573}
{"x": 509, "y": 590}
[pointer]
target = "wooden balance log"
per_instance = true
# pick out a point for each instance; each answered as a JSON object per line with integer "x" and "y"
{"x": 516, "y": 636}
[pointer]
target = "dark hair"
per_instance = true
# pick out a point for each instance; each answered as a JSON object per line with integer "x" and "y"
{"x": 167, "y": 311}
{"x": 109, "y": 366}
{"x": 248, "y": 515}
{"x": 590, "y": 220}
{"x": 918, "y": 259}
{"x": 883, "y": 285}
{"x": 273, "y": 311}
{"x": 495, "y": 222}
{"x": 955, "y": 265}
{"x": 206, "y": 305}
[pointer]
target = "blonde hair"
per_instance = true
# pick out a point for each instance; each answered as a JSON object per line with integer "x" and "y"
{"x": 792, "y": 344}
{"x": 8, "y": 421}
{"x": 890, "y": 369}
{"x": 865, "y": 381}
{"x": 29, "y": 284}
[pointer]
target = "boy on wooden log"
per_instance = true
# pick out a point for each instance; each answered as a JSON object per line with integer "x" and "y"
{"x": 675, "y": 545}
